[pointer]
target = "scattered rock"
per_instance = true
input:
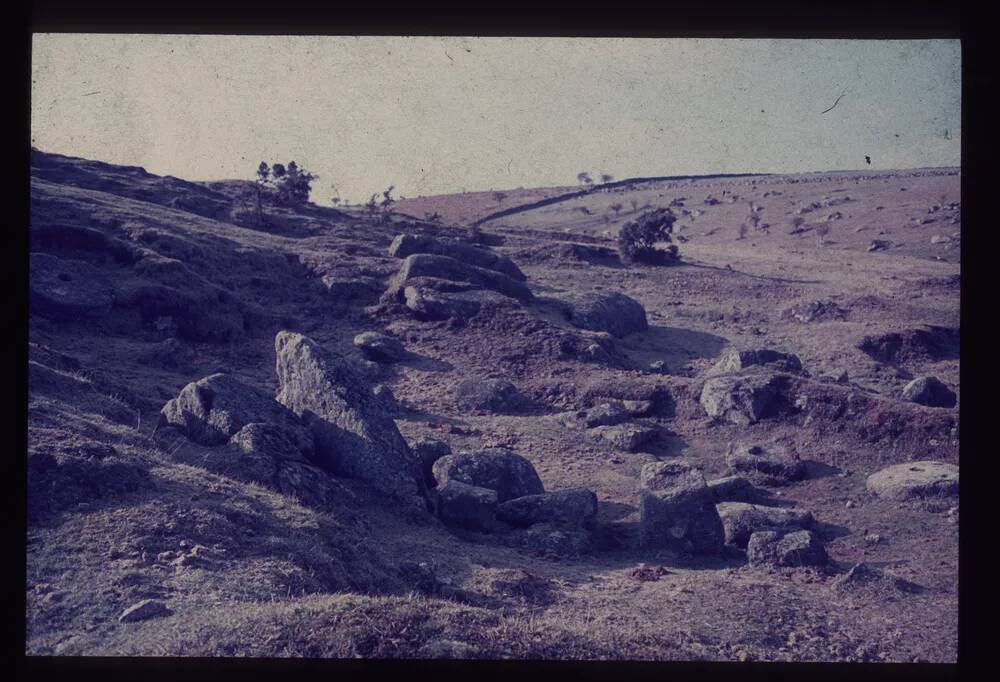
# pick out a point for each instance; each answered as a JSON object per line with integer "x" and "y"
{"x": 467, "y": 506}
{"x": 429, "y": 304}
{"x": 732, "y": 489}
{"x": 408, "y": 244}
{"x": 677, "y": 510}
{"x": 353, "y": 433}
{"x": 862, "y": 577}
{"x": 607, "y": 414}
{"x": 211, "y": 410}
{"x": 736, "y": 361}
{"x": 352, "y": 290}
{"x": 742, "y": 400}
{"x": 741, "y": 520}
{"x": 940, "y": 239}
{"x": 627, "y": 437}
{"x": 638, "y": 408}
{"x": 144, "y": 610}
{"x": 646, "y": 574}
{"x": 498, "y": 469}
{"x": 772, "y": 464}
{"x": 68, "y": 289}
{"x": 575, "y": 507}
{"x": 611, "y": 312}
{"x": 879, "y": 245}
{"x": 785, "y": 548}
{"x": 815, "y": 311}
{"x": 497, "y": 396}
{"x": 380, "y": 347}
{"x": 915, "y": 480}
{"x": 929, "y": 391}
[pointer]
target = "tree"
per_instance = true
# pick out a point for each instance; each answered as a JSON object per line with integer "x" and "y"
{"x": 499, "y": 197}
{"x": 637, "y": 239}
{"x": 262, "y": 183}
{"x": 282, "y": 185}
{"x": 584, "y": 179}
{"x": 616, "y": 207}
{"x": 605, "y": 178}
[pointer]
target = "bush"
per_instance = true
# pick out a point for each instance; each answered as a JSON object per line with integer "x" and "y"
{"x": 637, "y": 238}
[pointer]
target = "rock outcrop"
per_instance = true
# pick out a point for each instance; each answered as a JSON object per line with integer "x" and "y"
{"x": 405, "y": 245}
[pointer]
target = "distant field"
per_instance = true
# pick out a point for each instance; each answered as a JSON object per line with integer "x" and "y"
{"x": 466, "y": 207}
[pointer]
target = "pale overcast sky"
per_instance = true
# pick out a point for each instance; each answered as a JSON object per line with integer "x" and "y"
{"x": 436, "y": 115}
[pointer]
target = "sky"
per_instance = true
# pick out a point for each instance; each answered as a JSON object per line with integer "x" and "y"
{"x": 435, "y": 115}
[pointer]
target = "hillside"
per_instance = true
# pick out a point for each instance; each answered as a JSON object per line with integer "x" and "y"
{"x": 276, "y": 513}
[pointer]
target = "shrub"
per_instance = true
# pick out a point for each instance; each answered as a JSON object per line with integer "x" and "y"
{"x": 637, "y": 238}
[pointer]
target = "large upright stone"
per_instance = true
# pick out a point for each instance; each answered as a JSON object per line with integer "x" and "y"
{"x": 770, "y": 464}
{"x": 677, "y": 510}
{"x": 355, "y": 437}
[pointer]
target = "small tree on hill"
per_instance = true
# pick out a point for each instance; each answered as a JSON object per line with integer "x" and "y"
{"x": 499, "y": 197}
{"x": 584, "y": 179}
{"x": 637, "y": 239}
{"x": 617, "y": 207}
{"x": 605, "y": 178}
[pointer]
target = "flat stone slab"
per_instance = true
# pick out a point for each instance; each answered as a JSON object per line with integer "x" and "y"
{"x": 771, "y": 464}
{"x": 915, "y": 480}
